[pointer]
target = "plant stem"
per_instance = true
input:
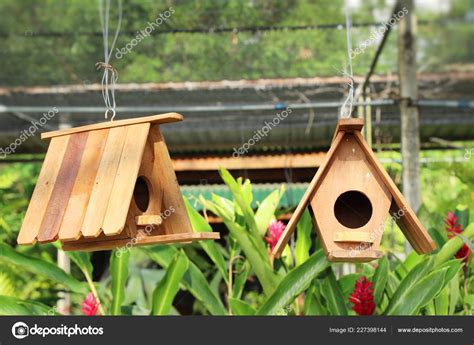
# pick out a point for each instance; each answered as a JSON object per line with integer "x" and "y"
{"x": 94, "y": 291}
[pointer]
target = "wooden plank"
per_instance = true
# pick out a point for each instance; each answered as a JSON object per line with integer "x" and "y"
{"x": 290, "y": 228}
{"x": 155, "y": 119}
{"x": 81, "y": 192}
{"x": 148, "y": 220}
{"x": 353, "y": 236}
{"x": 62, "y": 188}
{"x": 347, "y": 256}
{"x": 143, "y": 240}
{"x": 349, "y": 125}
{"x": 172, "y": 201}
{"x": 42, "y": 193}
{"x": 125, "y": 178}
{"x": 409, "y": 222}
{"x": 104, "y": 182}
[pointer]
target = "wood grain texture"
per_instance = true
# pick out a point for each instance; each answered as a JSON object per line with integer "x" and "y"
{"x": 104, "y": 182}
{"x": 148, "y": 220}
{"x": 144, "y": 240}
{"x": 350, "y": 171}
{"x": 155, "y": 119}
{"x": 172, "y": 200}
{"x": 290, "y": 228}
{"x": 352, "y": 236}
{"x": 81, "y": 192}
{"x": 125, "y": 179}
{"x": 43, "y": 189}
{"x": 63, "y": 186}
{"x": 409, "y": 222}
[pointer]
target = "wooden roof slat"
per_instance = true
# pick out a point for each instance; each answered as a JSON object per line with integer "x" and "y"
{"x": 155, "y": 119}
{"x": 42, "y": 193}
{"x": 62, "y": 188}
{"x": 124, "y": 183}
{"x": 104, "y": 182}
{"x": 81, "y": 192}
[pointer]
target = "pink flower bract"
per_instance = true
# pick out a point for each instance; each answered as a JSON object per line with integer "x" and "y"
{"x": 90, "y": 305}
{"x": 453, "y": 229}
{"x": 275, "y": 230}
{"x": 363, "y": 297}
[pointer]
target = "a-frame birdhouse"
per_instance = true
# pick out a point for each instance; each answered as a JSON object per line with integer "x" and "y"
{"x": 351, "y": 196}
{"x": 106, "y": 186}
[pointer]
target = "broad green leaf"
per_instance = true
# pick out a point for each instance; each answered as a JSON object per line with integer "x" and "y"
{"x": 38, "y": 266}
{"x": 7, "y": 286}
{"x": 194, "y": 280}
{"x": 312, "y": 304}
{"x": 240, "y": 307}
{"x": 332, "y": 293}
{"x": 82, "y": 260}
{"x": 453, "y": 294}
{"x": 266, "y": 211}
{"x": 303, "y": 238}
{"x": 422, "y": 292}
{"x": 13, "y": 306}
{"x": 294, "y": 284}
{"x": 240, "y": 278}
{"x": 380, "y": 280}
{"x": 257, "y": 256}
{"x": 211, "y": 248}
{"x": 347, "y": 284}
{"x": 168, "y": 287}
{"x": 406, "y": 266}
{"x": 406, "y": 285}
{"x": 119, "y": 274}
{"x": 462, "y": 212}
{"x": 452, "y": 246}
{"x": 392, "y": 284}
{"x": 442, "y": 302}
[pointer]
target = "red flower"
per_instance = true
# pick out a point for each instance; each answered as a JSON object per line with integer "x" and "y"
{"x": 90, "y": 305}
{"x": 275, "y": 230}
{"x": 363, "y": 297}
{"x": 453, "y": 229}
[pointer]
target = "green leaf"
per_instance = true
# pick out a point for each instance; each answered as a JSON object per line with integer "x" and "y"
{"x": 240, "y": 279}
{"x": 211, "y": 248}
{"x": 452, "y": 246}
{"x": 312, "y": 304}
{"x": 41, "y": 267}
{"x": 168, "y": 287}
{"x": 410, "y": 262}
{"x": 333, "y": 295}
{"x": 14, "y": 306}
{"x": 453, "y": 294}
{"x": 380, "y": 280}
{"x": 442, "y": 302}
{"x": 462, "y": 212}
{"x": 392, "y": 285}
{"x": 303, "y": 238}
{"x": 82, "y": 260}
{"x": 266, "y": 210}
{"x": 119, "y": 273}
{"x": 240, "y": 307}
{"x": 422, "y": 292}
{"x": 194, "y": 280}
{"x": 347, "y": 284}
{"x": 294, "y": 284}
{"x": 406, "y": 285}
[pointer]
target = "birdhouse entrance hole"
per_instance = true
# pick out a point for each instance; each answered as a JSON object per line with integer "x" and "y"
{"x": 353, "y": 209}
{"x": 141, "y": 194}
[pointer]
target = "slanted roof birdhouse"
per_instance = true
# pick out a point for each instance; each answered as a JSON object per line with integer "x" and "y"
{"x": 350, "y": 197}
{"x": 108, "y": 185}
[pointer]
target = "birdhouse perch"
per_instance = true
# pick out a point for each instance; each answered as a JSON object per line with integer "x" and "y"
{"x": 350, "y": 197}
{"x": 106, "y": 185}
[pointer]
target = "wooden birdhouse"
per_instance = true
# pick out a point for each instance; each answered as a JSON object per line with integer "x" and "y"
{"x": 106, "y": 186}
{"x": 351, "y": 196}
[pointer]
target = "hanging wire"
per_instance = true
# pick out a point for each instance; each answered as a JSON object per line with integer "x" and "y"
{"x": 110, "y": 75}
{"x": 346, "y": 108}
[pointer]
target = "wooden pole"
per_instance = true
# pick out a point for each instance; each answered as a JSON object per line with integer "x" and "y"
{"x": 410, "y": 119}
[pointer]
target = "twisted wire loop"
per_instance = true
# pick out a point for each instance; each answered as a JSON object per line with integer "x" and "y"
{"x": 110, "y": 74}
{"x": 346, "y": 108}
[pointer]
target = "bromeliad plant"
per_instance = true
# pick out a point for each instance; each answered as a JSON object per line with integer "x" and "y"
{"x": 239, "y": 277}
